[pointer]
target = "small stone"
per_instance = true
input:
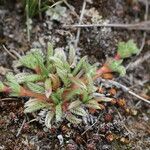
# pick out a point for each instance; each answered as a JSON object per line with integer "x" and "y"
{"x": 124, "y": 140}
{"x": 61, "y": 139}
{"x": 106, "y": 147}
{"x": 71, "y": 146}
{"x": 110, "y": 137}
{"x": 108, "y": 117}
{"x": 133, "y": 112}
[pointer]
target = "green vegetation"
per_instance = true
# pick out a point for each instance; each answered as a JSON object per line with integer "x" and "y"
{"x": 34, "y": 7}
{"x": 60, "y": 84}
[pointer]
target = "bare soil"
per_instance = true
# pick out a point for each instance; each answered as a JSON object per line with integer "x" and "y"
{"x": 111, "y": 129}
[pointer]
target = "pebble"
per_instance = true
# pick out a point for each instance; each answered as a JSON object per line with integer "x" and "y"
{"x": 61, "y": 139}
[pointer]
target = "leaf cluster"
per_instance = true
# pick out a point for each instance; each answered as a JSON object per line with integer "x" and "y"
{"x": 125, "y": 50}
{"x": 60, "y": 84}
{"x": 34, "y": 7}
{"x": 57, "y": 83}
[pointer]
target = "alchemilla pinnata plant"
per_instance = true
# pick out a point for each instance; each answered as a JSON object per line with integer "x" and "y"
{"x": 60, "y": 85}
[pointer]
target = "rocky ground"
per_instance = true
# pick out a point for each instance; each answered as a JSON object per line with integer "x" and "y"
{"x": 115, "y": 127}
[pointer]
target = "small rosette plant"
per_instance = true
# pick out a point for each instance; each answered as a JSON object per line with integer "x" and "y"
{"x": 59, "y": 85}
{"x": 125, "y": 50}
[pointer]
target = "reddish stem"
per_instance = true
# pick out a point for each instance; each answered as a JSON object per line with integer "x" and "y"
{"x": 6, "y": 89}
{"x": 38, "y": 70}
{"x": 117, "y": 57}
{"x": 102, "y": 70}
{"x": 105, "y": 68}
{"x": 25, "y": 92}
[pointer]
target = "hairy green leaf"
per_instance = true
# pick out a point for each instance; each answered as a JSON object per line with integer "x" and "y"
{"x": 1, "y": 86}
{"x": 50, "y": 50}
{"x": 12, "y": 83}
{"x": 10, "y": 77}
{"x": 59, "y": 93}
{"x": 55, "y": 98}
{"x": 121, "y": 70}
{"x": 40, "y": 61}
{"x": 74, "y": 104}
{"x": 59, "y": 53}
{"x": 63, "y": 76}
{"x": 115, "y": 65}
{"x": 79, "y": 65}
{"x": 127, "y": 49}
{"x": 35, "y": 87}
{"x": 25, "y": 77}
{"x": 58, "y": 111}
{"x": 48, "y": 87}
{"x": 78, "y": 82}
{"x": 50, "y": 53}
{"x": 93, "y": 104}
{"x": 30, "y": 61}
{"x": 58, "y": 63}
{"x": 73, "y": 93}
{"x": 72, "y": 56}
{"x": 33, "y": 105}
{"x": 85, "y": 96}
{"x": 73, "y": 119}
{"x": 78, "y": 111}
{"x": 48, "y": 118}
{"x": 90, "y": 87}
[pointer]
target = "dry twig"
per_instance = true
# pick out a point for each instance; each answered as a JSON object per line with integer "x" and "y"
{"x": 9, "y": 99}
{"x": 138, "y": 61}
{"x": 146, "y": 19}
{"x": 70, "y": 7}
{"x": 19, "y": 131}
{"x": 131, "y": 65}
{"x": 145, "y": 26}
{"x": 126, "y": 89}
{"x": 80, "y": 21}
{"x": 13, "y": 56}
{"x": 121, "y": 118}
{"x": 92, "y": 125}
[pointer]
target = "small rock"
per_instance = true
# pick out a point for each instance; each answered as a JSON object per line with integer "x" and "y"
{"x": 61, "y": 139}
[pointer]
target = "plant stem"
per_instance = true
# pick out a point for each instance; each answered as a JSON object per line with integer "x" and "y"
{"x": 38, "y": 70}
{"x": 25, "y": 92}
{"x": 27, "y": 20}
{"x": 117, "y": 57}
{"x": 105, "y": 68}
{"x": 6, "y": 89}
{"x": 102, "y": 70}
